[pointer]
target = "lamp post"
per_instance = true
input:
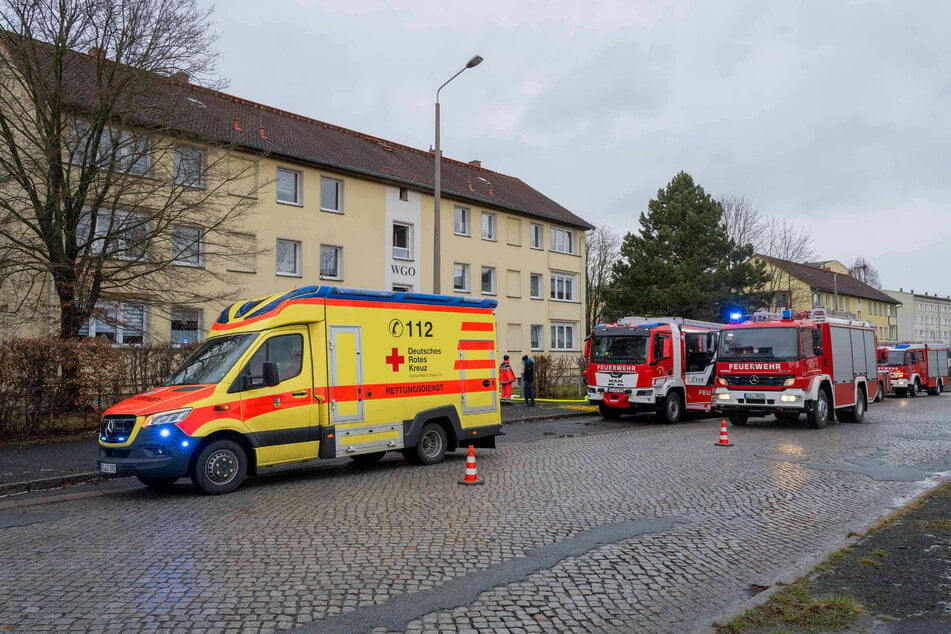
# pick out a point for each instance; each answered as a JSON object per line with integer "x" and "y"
{"x": 437, "y": 184}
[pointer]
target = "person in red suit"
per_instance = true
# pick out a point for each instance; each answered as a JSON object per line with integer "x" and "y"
{"x": 506, "y": 379}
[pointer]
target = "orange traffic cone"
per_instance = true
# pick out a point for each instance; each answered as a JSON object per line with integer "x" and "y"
{"x": 471, "y": 475}
{"x": 724, "y": 438}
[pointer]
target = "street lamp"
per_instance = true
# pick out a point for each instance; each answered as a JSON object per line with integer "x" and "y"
{"x": 437, "y": 184}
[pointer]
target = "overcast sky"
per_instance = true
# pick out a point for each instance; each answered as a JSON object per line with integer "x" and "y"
{"x": 833, "y": 114}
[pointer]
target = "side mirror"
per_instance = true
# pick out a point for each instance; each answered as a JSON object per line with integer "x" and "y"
{"x": 271, "y": 376}
{"x": 818, "y": 351}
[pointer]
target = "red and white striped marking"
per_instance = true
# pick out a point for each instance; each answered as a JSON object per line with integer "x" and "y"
{"x": 724, "y": 438}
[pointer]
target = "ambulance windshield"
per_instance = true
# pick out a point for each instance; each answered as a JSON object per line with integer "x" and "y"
{"x": 212, "y": 360}
{"x": 776, "y": 344}
{"x": 619, "y": 349}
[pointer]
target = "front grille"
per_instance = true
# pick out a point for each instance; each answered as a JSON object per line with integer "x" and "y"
{"x": 116, "y": 428}
{"x": 762, "y": 380}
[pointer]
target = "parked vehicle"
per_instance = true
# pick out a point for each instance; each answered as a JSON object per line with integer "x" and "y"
{"x": 319, "y": 372}
{"x": 788, "y": 365}
{"x": 913, "y": 367}
{"x": 657, "y": 364}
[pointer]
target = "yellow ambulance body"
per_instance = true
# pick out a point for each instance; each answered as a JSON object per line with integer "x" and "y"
{"x": 319, "y": 372}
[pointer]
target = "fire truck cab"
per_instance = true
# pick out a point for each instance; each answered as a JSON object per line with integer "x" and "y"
{"x": 656, "y": 364}
{"x": 913, "y": 367}
{"x": 787, "y": 365}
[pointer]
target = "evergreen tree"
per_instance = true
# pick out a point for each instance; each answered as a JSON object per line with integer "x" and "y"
{"x": 683, "y": 263}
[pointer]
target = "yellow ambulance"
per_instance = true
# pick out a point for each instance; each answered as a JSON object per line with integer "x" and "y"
{"x": 319, "y": 372}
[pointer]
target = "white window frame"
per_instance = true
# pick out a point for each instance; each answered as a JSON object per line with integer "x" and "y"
{"x": 563, "y": 287}
{"x": 562, "y": 240}
{"x": 536, "y": 236}
{"x": 197, "y": 312}
{"x": 298, "y": 199}
{"x": 339, "y": 194}
{"x": 559, "y": 340}
{"x": 490, "y": 270}
{"x": 461, "y": 217}
{"x": 464, "y": 269}
{"x": 297, "y": 258}
{"x": 117, "y": 311}
{"x": 185, "y": 178}
{"x": 120, "y": 248}
{"x": 338, "y": 261}
{"x": 536, "y": 337}
{"x": 401, "y": 252}
{"x": 195, "y": 259}
{"x": 489, "y": 226}
{"x": 540, "y": 294}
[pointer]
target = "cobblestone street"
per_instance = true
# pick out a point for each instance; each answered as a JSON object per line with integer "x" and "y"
{"x": 651, "y": 529}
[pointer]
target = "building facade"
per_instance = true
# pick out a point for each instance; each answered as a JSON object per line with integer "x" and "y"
{"x": 922, "y": 317}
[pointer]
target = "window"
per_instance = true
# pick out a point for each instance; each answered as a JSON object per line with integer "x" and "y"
{"x": 186, "y": 325}
{"x": 331, "y": 262}
{"x": 288, "y": 186}
{"x": 402, "y": 288}
{"x": 460, "y": 277}
{"x": 331, "y": 195}
{"x": 562, "y": 336}
{"x": 404, "y": 193}
{"x": 563, "y": 287}
{"x": 119, "y": 234}
{"x": 121, "y": 322}
{"x": 461, "y": 221}
{"x": 537, "y": 237}
{"x": 488, "y": 280}
{"x": 402, "y": 241}
{"x": 189, "y": 166}
{"x": 535, "y": 286}
{"x": 284, "y": 351}
{"x": 562, "y": 240}
{"x": 288, "y": 257}
{"x": 536, "y": 336}
{"x": 488, "y": 226}
{"x": 187, "y": 246}
{"x": 118, "y": 150}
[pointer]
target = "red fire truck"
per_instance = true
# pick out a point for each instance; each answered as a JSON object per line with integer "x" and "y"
{"x": 913, "y": 367}
{"x": 789, "y": 364}
{"x": 656, "y": 364}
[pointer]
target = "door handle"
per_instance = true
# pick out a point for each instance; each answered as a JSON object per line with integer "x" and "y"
{"x": 300, "y": 394}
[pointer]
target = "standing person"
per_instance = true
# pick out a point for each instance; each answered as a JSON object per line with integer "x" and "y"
{"x": 506, "y": 379}
{"x": 528, "y": 381}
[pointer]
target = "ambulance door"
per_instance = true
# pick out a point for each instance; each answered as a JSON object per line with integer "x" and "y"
{"x": 346, "y": 375}
{"x": 477, "y": 373}
{"x": 282, "y": 417}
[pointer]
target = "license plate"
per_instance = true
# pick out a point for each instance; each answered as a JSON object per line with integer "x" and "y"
{"x": 615, "y": 390}
{"x": 107, "y": 467}
{"x": 755, "y": 396}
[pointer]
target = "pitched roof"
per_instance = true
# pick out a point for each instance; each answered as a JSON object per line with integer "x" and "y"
{"x": 211, "y": 115}
{"x": 826, "y": 280}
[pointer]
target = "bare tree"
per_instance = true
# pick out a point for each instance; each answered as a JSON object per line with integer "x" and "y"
{"x": 101, "y": 198}
{"x": 603, "y": 246}
{"x": 743, "y": 223}
{"x": 863, "y": 271}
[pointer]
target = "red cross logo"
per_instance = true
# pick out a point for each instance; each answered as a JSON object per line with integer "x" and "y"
{"x": 396, "y": 359}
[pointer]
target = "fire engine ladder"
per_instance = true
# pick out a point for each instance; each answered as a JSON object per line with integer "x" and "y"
{"x": 679, "y": 321}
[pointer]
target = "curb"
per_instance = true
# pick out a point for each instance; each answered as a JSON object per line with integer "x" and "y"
{"x": 47, "y": 483}
{"x": 553, "y": 415}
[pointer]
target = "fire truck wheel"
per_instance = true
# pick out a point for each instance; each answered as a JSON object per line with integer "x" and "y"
{"x": 157, "y": 484}
{"x": 913, "y": 390}
{"x": 673, "y": 407}
{"x": 368, "y": 458}
{"x": 611, "y": 413}
{"x": 880, "y": 394}
{"x": 220, "y": 467}
{"x": 937, "y": 390}
{"x": 431, "y": 447}
{"x": 856, "y": 413}
{"x": 738, "y": 418}
{"x": 819, "y": 416}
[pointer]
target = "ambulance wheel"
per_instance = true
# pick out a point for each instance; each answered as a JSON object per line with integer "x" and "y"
{"x": 738, "y": 418}
{"x": 431, "y": 447}
{"x": 157, "y": 484}
{"x": 368, "y": 458}
{"x": 672, "y": 408}
{"x": 220, "y": 467}
{"x": 611, "y": 413}
{"x": 819, "y": 416}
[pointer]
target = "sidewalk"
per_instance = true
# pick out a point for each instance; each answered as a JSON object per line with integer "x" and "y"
{"x": 32, "y": 467}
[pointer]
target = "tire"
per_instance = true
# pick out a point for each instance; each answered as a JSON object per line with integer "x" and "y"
{"x": 819, "y": 416}
{"x": 672, "y": 409}
{"x": 368, "y": 458}
{"x": 220, "y": 467}
{"x": 938, "y": 390}
{"x": 431, "y": 447}
{"x": 880, "y": 395}
{"x": 157, "y": 484}
{"x": 610, "y": 413}
{"x": 856, "y": 413}
{"x": 738, "y": 418}
{"x": 913, "y": 389}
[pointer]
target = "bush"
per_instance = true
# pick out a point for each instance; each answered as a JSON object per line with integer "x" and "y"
{"x": 558, "y": 376}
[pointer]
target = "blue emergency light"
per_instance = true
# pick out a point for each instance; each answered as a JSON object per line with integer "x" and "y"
{"x": 736, "y": 317}
{"x": 902, "y": 346}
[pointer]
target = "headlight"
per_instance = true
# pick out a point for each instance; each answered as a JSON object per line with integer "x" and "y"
{"x": 789, "y": 381}
{"x": 168, "y": 418}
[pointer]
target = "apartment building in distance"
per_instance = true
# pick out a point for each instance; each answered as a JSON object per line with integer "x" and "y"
{"x": 922, "y": 317}
{"x": 330, "y": 205}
